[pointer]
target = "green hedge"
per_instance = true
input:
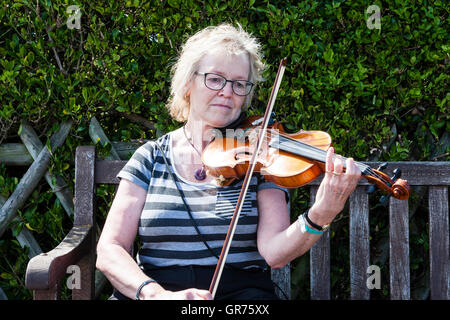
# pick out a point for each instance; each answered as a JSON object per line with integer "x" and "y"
{"x": 380, "y": 93}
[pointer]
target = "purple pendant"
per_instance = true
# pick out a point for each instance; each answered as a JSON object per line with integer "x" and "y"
{"x": 200, "y": 174}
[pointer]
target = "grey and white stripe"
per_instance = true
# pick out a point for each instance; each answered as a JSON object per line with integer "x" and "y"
{"x": 165, "y": 228}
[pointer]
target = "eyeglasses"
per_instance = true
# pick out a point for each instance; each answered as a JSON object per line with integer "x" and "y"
{"x": 216, "y": 82}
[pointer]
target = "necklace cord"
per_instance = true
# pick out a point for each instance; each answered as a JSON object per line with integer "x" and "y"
{"x": 200, "y": 174}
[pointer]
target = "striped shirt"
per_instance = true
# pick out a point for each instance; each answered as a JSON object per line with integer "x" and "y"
{"x": 168, "y": 235}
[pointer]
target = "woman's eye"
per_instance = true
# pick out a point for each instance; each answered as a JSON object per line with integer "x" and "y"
{"x": 215, "y": 80}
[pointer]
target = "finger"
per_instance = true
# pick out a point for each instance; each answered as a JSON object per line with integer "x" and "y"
{"x": 352, "y": 168}
{"x": 338, "y": 165}
{"x": 329, "y": 167}
{"x": 205, "y": 294}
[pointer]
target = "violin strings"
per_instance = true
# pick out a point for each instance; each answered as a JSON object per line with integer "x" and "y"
{"x": 319, "y": 154}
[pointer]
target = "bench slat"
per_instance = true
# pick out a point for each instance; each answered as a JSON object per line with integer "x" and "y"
{"x": 84, "y": 215}
{"x": 439, "y": 242}
{"x": 282, "y": 278}
{"x": 106, "y": 171}
{"x": 84, "y": 185}
{"x": 320, "y": 263}
{"x": 417, "y": 173}
{"x": 399, "y": 250}
{"x": 359, "y": 244}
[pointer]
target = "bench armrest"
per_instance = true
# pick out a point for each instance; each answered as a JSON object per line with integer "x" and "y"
{"x": 46, "y": 269}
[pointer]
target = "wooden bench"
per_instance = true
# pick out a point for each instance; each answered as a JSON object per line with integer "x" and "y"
{"x": 45, "y": 272}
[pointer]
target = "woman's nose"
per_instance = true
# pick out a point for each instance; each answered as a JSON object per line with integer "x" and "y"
{"x": 227, "y": 90}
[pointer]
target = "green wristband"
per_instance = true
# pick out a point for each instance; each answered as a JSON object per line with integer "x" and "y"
{"x": 304, "y": 226}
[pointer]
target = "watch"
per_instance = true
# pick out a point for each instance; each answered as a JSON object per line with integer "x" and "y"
{"x": 315, "y": 226}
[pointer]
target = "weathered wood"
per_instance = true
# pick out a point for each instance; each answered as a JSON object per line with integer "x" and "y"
{"x": 59, "y": 187}
{"x": 126, "y": 149}
{"x": 33, "y": 144}
{"x": 25, "y": 238}
{"x": 85, "y": 215}
{"x": 46, "y": 269}
{"x": 31, "y": 178}
{"x": 359, "y": 244}
{"x": 138, "y": 119}
{"x": 84, "y": 186}
{"x": 439, "y": 242}
{"x": 14, "y": 154}
{"x": 98, "y": 136}
{"x": 106, "y": 171}
{"x": 320, "y": 263}
{"x": 418, "y": 173}
{"x": 399, "y": 250}
{"x": 78, "y": 247}
{"x": 53, "y": 293}
{"x": 87, "y": 283}
{"x": 282, "y": 277}
{"x": 23, "y": 190}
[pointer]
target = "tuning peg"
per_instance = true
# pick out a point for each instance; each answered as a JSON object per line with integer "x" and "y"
{"x": 384, "y": 199}
{"x": 397, "y": 174}
{"x": 372, "y": 187}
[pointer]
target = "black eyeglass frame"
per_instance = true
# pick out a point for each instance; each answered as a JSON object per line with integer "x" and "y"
{"x": 205, "y": 74}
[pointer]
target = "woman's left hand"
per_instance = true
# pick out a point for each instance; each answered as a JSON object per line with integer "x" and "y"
{"x": 335, "y": 188}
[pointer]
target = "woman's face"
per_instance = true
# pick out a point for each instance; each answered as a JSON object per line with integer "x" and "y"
{"x": 217, "y": 108}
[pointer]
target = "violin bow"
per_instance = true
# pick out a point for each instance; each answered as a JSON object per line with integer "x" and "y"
{"x": 245, "y": 184}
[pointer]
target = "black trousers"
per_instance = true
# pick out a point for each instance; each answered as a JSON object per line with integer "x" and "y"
{"x": 235, "y": 284}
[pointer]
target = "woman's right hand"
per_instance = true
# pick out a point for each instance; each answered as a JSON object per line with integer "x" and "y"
{"x": 188, "y": 294}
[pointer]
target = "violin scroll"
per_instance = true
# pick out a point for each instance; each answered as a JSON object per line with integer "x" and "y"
{"x": 392, "y": 186}
{"x": 400, "y": 189}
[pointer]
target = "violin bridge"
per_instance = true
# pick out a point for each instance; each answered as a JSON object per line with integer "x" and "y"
{"x": 220, "y": 180}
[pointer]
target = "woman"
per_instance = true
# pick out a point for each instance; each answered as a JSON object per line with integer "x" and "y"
{"x": 212, "y": 84}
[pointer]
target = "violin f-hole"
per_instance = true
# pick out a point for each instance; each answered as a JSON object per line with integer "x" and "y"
{"x": 245, "y": 153}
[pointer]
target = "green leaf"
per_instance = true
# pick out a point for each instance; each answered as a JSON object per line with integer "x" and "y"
{"x": 328, "y": 55}
{"x": 84, "y": 93}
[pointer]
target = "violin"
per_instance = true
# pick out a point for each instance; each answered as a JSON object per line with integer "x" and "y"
{"x": 289, "y": 160}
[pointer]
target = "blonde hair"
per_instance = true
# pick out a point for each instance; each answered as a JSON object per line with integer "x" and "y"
{"x": 225, "y": 37}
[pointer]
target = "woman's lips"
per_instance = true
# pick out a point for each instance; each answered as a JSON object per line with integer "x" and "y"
{"x": 221, "y": 106}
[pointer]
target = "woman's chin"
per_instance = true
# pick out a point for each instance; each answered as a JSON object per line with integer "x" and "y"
{"x": 219, "y": 124}
{"x": 223, "y": 121}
